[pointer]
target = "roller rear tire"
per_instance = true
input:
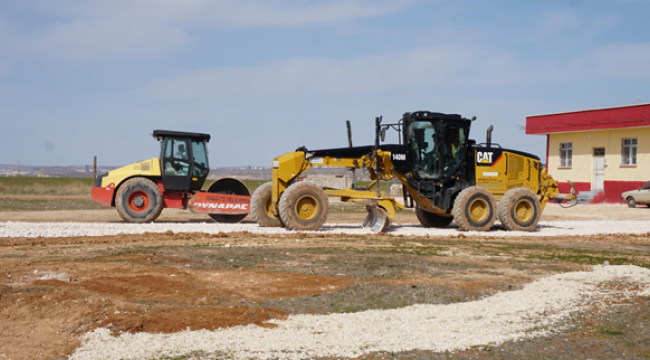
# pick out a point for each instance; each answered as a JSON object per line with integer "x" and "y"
{"x": 430, "y": 220}
{"x": 261, "y": 210}
{"x": 519, "y": 209}
{"x": 139, "y": 200}
{"x": 475, "y": 209}
{"x": 304, "y": 206}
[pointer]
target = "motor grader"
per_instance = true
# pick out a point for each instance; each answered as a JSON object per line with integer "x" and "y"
{"x": 445, "y": 176}
{"x": 140, "y": 191}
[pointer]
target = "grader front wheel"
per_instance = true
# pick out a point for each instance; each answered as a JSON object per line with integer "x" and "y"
{"x": 261, "y": 210}
{"x": 430, "y": 220}
{"x": 475, "y": 209}
{"x": 303, "y": 206}
{"x": 139, "y": 200}
{"x": 519, "y": 209}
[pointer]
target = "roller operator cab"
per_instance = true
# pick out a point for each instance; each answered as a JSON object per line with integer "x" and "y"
{"x": 184, "y": 159}
{"x": 174, "y": 180}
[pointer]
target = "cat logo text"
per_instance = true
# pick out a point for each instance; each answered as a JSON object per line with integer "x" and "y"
{"x": 484, "y": 157}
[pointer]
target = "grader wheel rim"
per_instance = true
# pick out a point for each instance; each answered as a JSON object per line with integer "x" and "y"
{"x": 306, "y": 207}
{"x": 478, "y": 210}
{"x": 138, "y": 201}
{"x": 524, "y": 211}
{"x": 267, "y": 207}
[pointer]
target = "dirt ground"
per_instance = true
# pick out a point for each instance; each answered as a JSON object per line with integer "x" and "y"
{"x": 54, "y": 289}
{"x": 339, "y": 213}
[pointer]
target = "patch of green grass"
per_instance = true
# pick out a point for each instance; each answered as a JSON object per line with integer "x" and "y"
{"x": 54, "y": 204}
{"x": 45, "y": 186}
{"x": 608, "y": 331}
{"x": 589, "y": 259}
{"x": 367, "y": 296}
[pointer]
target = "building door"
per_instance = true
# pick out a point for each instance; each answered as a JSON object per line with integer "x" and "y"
{"x": 598, "y": 180}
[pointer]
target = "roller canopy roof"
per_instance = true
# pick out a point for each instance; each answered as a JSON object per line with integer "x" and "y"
{"x": 159, "y": 134}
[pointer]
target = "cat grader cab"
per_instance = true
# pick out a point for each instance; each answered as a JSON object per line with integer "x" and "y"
{"x": 140, "y": 191}
{"x": 445, "y": 176}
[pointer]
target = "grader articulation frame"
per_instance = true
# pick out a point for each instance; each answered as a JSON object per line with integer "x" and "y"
{"x": 445, "y": 176}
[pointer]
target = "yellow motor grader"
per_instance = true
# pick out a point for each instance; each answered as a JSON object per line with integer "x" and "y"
{"x": 140, "y": 191}
{"x": 445, "y": 176}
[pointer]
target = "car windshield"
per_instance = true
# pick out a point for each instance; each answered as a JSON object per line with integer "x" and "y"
{"x": 646, "y": 186}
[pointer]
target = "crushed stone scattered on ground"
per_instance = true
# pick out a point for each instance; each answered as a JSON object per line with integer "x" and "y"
{"x": 11, "y": 229}
{"x": 538, "y": 309}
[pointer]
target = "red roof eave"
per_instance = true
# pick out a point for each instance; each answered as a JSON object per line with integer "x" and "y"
{"x": 585, "y": 120}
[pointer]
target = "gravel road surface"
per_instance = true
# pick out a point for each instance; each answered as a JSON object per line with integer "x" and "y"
{"x": 11, "y": 229}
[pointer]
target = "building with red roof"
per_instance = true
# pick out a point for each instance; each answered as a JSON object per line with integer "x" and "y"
{"x": 602, "y": 151}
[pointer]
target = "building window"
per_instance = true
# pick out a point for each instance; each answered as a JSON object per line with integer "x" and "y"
{"x": 628, "y": 152}
{"x": 566, "y": 155}
{"x": 599, "y": 152}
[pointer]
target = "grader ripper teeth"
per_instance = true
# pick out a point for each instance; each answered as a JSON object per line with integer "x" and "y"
{"x": 445, "y": 176}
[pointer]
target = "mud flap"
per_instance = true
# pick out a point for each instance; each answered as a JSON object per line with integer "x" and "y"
{"x": 377, "y": 219}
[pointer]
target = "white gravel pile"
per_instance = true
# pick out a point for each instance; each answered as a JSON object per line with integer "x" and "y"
{"x": 536, "y": 310}
{"x": 552, "y": 228}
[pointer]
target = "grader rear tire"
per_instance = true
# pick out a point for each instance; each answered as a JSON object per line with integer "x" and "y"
{"x": 304, "y": 206}
{"x": 261, "y": 210}
{"x": 139, "y": 200}
{"x": 519, "y": 209}
{"x": 430, "y": 220}
{"x": 475, "y": 209}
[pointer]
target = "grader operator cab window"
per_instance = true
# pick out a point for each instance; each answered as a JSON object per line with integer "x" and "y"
{"x": 423, "y": 149}
{"x": 454, "y": 147}
{"x": 438, "y": 148}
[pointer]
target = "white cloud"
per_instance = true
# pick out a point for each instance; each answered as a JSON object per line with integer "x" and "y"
{"x": 622, "y": 61}
{"x": 556, "y": 23}
{"x": 445, "y": 66}
{"x": 146, "y": 28}
{"x": 323, "y": 75}
{"x": 448, "y": 66}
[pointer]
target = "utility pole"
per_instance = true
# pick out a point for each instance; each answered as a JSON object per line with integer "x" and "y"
{"x": 94, "y": 170}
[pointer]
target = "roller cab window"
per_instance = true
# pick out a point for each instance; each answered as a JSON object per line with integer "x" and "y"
{"x": 176, "y": 157}
{"x": 176, "y": 164}
{"x": 201, "y": 166}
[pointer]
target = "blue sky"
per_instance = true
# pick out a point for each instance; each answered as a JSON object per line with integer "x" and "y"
{"x": 263, "y": 77}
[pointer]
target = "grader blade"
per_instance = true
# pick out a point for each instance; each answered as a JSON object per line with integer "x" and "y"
{"x": 377, "y": 219}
